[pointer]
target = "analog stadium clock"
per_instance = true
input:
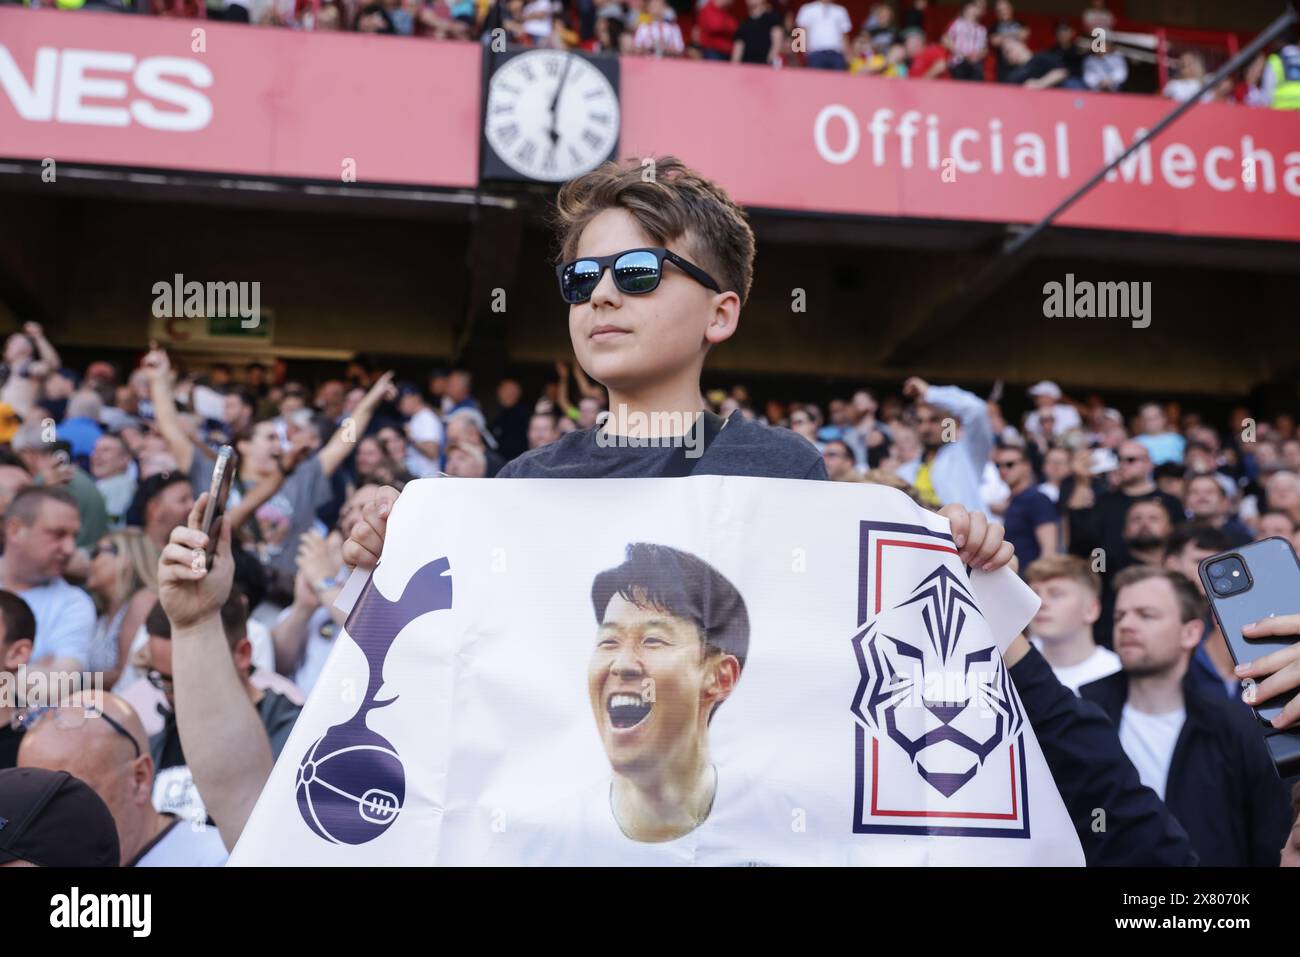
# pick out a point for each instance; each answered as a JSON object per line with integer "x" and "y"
{"x": 549, "y": 115}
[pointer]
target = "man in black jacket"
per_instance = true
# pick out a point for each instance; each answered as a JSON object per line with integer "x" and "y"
{"x": 1119, "y": 822}
{"x": 1202, "y": 754}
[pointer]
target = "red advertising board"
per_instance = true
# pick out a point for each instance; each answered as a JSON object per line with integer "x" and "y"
{"x": 146, "y": 91}
{"x": 808, "y": 140}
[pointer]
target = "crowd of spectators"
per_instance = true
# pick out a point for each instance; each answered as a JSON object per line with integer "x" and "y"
{"x": 983, "y": 42}
{"x": 100, "y": 471}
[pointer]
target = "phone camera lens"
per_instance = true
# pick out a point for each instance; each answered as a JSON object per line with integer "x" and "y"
{"x": 1228, "y": 576}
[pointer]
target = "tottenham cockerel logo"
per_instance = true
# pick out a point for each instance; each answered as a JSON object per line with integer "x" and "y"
{"x": 939, "y": 724}
{"x": 350, "y": 784}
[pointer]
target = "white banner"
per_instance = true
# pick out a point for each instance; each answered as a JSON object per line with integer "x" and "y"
{"x": 710, "y": 670}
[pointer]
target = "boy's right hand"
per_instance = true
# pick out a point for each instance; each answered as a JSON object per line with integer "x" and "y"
{"x": 363, "y": 546}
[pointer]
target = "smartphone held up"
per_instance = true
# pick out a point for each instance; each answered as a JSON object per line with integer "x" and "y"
{"x": 1252, "y": 583}
{"x": 223, "y": 470}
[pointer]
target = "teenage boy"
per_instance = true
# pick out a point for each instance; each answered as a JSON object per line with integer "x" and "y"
{"x": 655, "y": 270}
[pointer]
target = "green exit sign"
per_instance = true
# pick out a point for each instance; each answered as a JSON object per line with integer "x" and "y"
{"x": 234, "y": 326}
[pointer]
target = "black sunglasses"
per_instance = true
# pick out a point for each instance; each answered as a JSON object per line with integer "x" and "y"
{"x": 636, "y": 272}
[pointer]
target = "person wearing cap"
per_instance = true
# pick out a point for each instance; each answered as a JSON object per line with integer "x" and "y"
{"x": 51, "y": 819}
{"x": 98, "y": 738}
{"x": 1048, "y": 398}
{"x": 424, "y": 432}
{"x": 49, "y": 464}
{"x": 40, "y": 538}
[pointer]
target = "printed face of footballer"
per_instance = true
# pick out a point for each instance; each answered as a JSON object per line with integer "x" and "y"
{"x": 932, "y": 682}
{"x": 647, "y": 680}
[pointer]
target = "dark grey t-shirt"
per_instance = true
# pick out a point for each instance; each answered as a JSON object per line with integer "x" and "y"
{"x": 742, "y": 447}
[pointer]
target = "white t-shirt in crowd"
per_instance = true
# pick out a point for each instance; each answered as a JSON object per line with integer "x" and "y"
{"x": 185, "y": 845}
{"x": 1101, "y": 663}
{"x": 65, "y": 620}
{"x": 826, "y": 23}
{"x": 1149, "y": 740}
{"x": 424, "y": 426}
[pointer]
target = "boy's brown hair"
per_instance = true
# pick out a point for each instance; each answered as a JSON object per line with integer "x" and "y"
{"x": 670, "y": 201}
{"x": 1063, "y": 566}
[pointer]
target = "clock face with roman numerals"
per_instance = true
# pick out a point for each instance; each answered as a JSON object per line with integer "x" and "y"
{"x": 551, "y": 115}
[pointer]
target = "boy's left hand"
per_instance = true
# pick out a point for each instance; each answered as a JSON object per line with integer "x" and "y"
{"x": 979, "y": 541}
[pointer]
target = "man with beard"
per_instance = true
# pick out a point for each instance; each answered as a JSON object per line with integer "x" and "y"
{"x": 1147, "y": 528}
{"x": 1203, "y": 755}
{"x": 1097, "y": 520}
{"x": 1146, "y": 533}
